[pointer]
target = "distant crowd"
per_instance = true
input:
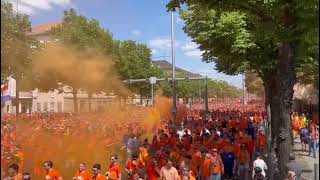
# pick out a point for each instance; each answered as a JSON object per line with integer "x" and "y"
{"x": 228, "y": 143}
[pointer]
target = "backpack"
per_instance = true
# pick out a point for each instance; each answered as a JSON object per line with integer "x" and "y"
{"x": 257, "y": 170}
{"x": 304, "y": 134}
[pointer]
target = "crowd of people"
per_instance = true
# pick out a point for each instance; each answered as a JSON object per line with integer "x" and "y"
{"x": 305, "y": 127}
{"x": 227, "y": 143}
{"x": 10, "y": 150}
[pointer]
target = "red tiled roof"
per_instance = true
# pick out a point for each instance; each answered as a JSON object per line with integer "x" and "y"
{"x": 45, "y": 27}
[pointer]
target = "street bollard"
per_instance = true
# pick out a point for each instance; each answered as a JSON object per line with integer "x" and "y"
{"x": 316, "y": 171}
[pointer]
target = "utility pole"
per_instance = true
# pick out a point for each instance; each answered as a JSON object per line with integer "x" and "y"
{"x": 174, "y": 110}
{"x": 243, "y": 91}
{"x": 206, "y": 96}
{"x": 152, "y": 80}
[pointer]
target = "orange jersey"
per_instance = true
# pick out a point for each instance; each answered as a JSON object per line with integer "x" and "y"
{"x": 99, "y": 177}
{"x": 53, "y": 175}
{"x": 83, "y": 175}
{"x": 115, "y": 170}
{"x": 243, "y": 157}
{"x": 206, "y": 168}
{"x": 261, "y": 141}
{"x": 236, "y": 148}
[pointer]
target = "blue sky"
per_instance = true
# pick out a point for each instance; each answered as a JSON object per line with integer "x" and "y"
{"x": 145, "y": 21}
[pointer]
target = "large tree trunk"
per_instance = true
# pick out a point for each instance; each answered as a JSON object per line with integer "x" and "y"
{"x": 286, "y": 80}
{"x": 273, "y": 111}
{"x": 75, "y": 100}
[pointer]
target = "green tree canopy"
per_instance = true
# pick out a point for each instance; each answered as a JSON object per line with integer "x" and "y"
{"x": 134, "y": 62}
{"x": 16, "y": 47}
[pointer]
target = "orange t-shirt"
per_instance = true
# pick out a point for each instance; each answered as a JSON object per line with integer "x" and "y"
{"x": 206, "y": 168}
{"x": 243, "y": 157}
{"x": 236, "y": 148}
{"x": 116, "y": 170}
{"x": 100, "y": 177}
{"x": 262, "y": 141}
{"x": 53, "y": 175}
{"x": 83, "y": 175}
{"x": 151, "y": 170}
{"x": 242, "y": 124}
{"x": 161, "y": 162}
{"x": 196, "y": 159}
{"x": 17, "y": 177}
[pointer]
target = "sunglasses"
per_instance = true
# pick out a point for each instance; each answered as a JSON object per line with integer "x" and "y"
{"x": 94, "y": 170}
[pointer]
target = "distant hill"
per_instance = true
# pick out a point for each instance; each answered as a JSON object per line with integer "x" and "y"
{"x": 167, "y": 67}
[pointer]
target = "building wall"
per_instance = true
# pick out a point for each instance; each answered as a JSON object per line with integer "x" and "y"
{"x": 47, "y": 101}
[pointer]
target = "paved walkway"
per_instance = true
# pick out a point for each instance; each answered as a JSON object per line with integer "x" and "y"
{"x": 308, "y": 171}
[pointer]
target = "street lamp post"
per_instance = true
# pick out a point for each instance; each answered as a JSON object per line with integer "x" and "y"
{"x": 243, "y": 90}
{"x": 174, "y": 110}
{"x": 206, "y": 95}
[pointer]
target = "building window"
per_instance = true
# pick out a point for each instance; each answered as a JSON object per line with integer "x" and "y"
{"x": 38, "y": 106}
{"x": 52, "y": 106}
{"x": 59, "y": 106}
{"x": 45, "y": 106}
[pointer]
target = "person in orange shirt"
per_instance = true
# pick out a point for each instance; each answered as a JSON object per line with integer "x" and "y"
{"x": 14, "y": 173}
{"x": 114, "y": 172}
{"x": 96, "y": 170}
{"x": 205, "y": 168}
{"x": 152, "y": 168}
{"x": 186, "y": 174}
{"x": 243, "y": 161}
{"x": 82, "y": 174}
{"x": 51, "y": 174}
{"x": 196, "y": 161}
{"x": 261, "y": 138}
{"x": 217, "y": 167}
{"x": 134, "y": 166}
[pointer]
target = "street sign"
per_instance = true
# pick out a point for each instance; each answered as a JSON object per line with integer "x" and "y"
{"x": 153, "y": 80}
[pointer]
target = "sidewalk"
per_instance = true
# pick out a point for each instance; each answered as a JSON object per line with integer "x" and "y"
{"x": 308, "y": 171}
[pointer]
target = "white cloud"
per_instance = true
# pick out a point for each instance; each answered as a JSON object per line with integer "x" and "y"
{"x": 189, "y": 46}
{"x": 193, "y": 53}
{"x": 154, "y": 51}
{"x": 190, "y": 49}
{"x": 24, "y": 9}
{"x": 161, "y": 43}
{"x": 136, "y": 32}
{"x": 31, "y": 6}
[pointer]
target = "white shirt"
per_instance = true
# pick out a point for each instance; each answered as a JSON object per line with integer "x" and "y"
{"x": 261, "y": 164}
{"x": 169, "y": 174}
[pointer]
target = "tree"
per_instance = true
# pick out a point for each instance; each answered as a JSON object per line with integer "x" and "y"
{"x": 269, "y": 37}
{"x": 134, "y": 62}
{"x": 196, "y": 88}
{"x": 84, "y": 38}
{"x": 16, "y": 48}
